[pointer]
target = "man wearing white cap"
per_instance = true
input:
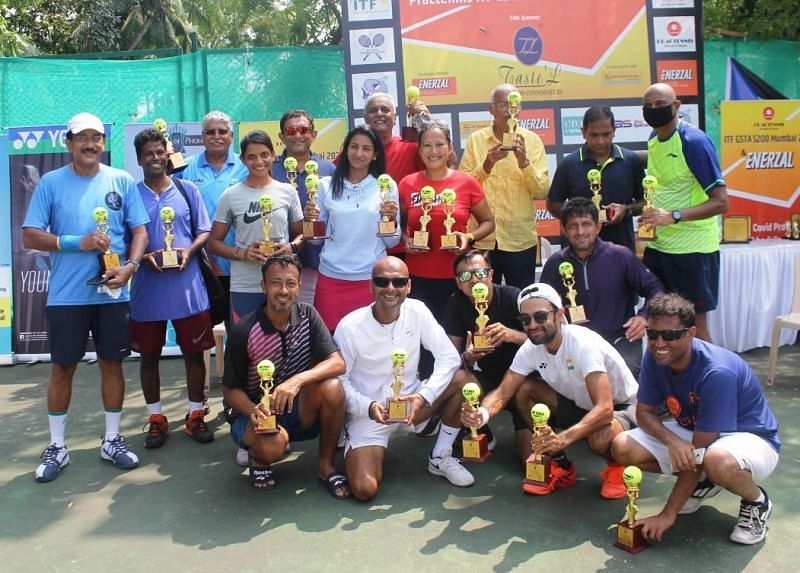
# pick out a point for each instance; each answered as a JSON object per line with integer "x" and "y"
{"x": 581, "y": 378}
{"x": 79, "y": 212}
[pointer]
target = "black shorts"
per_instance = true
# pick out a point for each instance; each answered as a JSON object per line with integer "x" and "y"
{"x": 568, "y": 413}
{"x": 694, "y": 276}
{"x": 68, "y": 328}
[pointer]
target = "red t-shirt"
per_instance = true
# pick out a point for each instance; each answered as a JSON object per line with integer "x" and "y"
{"x": 436, "y": 263}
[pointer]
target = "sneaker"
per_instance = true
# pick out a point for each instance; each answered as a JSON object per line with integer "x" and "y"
{"x": 559, "y": 478}
{"x": 197, "y": 429}
{"x": 464, "y": 432}
{"x": 242, "y": 457}
{"x": 752, "y": 526}
{"x": 451, "y": 469}
{"x": 613, "y": 487}
{"x": 116, "y": 451}
{"x": 705, "y": 489}
{"x": 432, "y": 427}
{"x": 54, "y": 458}
{"x": 158, "y": 431}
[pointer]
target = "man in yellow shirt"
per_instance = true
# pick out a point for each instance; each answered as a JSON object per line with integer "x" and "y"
{"x": 511, "y": 179}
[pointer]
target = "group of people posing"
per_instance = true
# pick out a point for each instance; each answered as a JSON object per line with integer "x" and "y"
{"x": 354, "y": 282}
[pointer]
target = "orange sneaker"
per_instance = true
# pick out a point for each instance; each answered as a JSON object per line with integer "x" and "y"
{"x": 157, "y": 432}
{"x": 196, "y": 427}
{"x": 559, "y": 478}
{"x": 613, "y": 487}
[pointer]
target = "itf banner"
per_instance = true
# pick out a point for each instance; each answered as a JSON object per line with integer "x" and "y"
{"x": 5, "y": 257}
{"x": 32, "y": 152}
{"x": 760, "y": 151}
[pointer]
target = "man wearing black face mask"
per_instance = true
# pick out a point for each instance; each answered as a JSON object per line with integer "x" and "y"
{"x": 690, "y": 193}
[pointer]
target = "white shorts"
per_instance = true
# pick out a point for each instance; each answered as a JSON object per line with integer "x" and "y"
{"x": 752, "y": 452}
{"x": 362, "y": 431}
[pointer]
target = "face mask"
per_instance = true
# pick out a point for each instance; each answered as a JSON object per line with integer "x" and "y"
{"x": 658, "y": 116}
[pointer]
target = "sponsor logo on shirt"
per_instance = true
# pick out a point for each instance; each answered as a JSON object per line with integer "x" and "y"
{"x": 113, "y": 200}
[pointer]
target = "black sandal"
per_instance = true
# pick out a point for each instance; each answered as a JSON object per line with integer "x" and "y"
{"x": 336, "y": 481}
{"x": 262, "y": 478}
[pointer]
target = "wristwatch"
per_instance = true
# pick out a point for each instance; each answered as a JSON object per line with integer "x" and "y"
{"x": 677, "y": 216}
{"x": 134, "y": 263}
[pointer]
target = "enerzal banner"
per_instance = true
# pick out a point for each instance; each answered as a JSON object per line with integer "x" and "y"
{"x": 5, "y": 257}
{"x": 760, "y": 155}
{"x": 562, "y": 56}
{"x": 330, "y": 135}
{"x": 32, "y": 152}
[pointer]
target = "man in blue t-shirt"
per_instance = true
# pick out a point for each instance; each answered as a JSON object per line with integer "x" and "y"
{"x": 81, "y": 214}
{"x": 161, "y": 292}
{"x": 724, "y": 434}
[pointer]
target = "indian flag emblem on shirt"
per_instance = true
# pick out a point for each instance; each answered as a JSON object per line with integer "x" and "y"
{"x": 570, "y": 364}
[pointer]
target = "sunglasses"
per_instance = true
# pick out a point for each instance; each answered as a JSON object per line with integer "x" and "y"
{"x": 383, "y": 282}
{"x": 539, "y": 317}
{"x": 669, "y": 335}
{"x": 303, "y": 130}
{"x": 479, "y": 274}
{"x": 217, "y": 131}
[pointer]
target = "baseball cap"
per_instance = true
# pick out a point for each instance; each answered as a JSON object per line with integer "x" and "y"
{"x": 539, "y": 290}
{"x": 84, "y": 121}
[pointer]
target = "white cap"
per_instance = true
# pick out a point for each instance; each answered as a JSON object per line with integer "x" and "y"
{"x": 84, "y": 121}
{"x": 539, "y": 290}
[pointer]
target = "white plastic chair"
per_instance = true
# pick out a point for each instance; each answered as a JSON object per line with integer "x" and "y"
{"x": 791, "y": 320}
{"x": 547, "y": 248}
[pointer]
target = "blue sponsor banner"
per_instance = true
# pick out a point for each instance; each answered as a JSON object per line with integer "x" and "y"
{"x": 5, "y": 256}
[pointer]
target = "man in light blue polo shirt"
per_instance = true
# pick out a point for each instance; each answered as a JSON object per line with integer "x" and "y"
{"x": 213, "y": 171}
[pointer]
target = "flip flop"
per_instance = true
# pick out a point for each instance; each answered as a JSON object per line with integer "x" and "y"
{"x": 336, "y": 481}
{"x": 262, "y": 478}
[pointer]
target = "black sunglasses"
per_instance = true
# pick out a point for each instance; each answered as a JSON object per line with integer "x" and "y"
{"x": 669, "y": 335}
{"x": 217, "y": 131}
{"x": 540, "y": 317}
{"x": 479, "y": 274}
{"x": 383, "y": 282}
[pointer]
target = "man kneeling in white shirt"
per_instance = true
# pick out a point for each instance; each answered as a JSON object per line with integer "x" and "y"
{"x": 367, "y": 338}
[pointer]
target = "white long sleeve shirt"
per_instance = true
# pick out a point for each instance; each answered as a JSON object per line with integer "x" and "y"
{"x": 367, "y": 345}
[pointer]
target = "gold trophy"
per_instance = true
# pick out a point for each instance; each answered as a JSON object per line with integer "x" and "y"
{"x": 110, "y": 259}
{"x": 629, "y": 536}
{"x": 649, "y": 184}
{"x": 313, "y": 228}
{"x": 595, "y": 180}
{"x": 265, "y": 370}
{"x": 175, "y": 159}
{"x": 538, "y": 466}
{"x": 311, "y": 167}
{"x": 387, "y": 227}
{"x": 267, "y": 246}
{"x": 795, "y": 226}
{"x": 449, "y": 240}
{"x": 480, "y": 294}
{"x": 398, "y": 409}
{"x": 576, "y": 312}
{"x": 475, "y": 446}
{"x": 415, "y": 122}
{"x": 290, "y": 165}
{"x": 510, "y": 137}
{"x": 169, "y": 256}
{"x": 420, "y": 241}
{"x": 787, "y": 230}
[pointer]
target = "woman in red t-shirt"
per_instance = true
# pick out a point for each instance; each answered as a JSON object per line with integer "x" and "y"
{"x": 431, "y": 269}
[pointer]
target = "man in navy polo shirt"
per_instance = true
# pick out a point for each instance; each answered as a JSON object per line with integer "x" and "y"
{"x": 621, "y": 173}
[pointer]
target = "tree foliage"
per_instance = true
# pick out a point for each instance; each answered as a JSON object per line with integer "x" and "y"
{"x": 761, "y": 19}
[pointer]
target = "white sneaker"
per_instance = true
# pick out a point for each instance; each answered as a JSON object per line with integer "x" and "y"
{"x": 704, "y": 490}
{"x": 54, "y": 459}
{"x": 451, "y": 469}
{"x": 752, "y": 526}
{"x": 242, "y": 457}
{"x": 117, "y": 452}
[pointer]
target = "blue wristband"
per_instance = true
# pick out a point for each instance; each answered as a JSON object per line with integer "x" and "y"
{"x": 70, "y": 242}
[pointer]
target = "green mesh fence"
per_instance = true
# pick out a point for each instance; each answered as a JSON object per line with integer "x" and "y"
{"x": 248, "y": 84}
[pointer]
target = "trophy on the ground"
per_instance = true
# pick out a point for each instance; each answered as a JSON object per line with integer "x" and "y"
{"x": 266, "y": 370}
{"x": 480, "y": 296}
{"x": 311, "y": 167}
{"x": 387, "y": 227}
{"x": 290, "y": 165}
{"x": 169, "y": 256}
{"x": 514, "y": 105}
{"x": 398, "y": 410}
{"x": 475, "y": 447}
{"x": 629, "y": 536}
{"x": 649, "y": 184}
{"x": 575, "y": 311}
{"x": 449, "y": 240}
{"x": 175, "y": 159}
{"x": 420, "y": 240}
{"x": 538, "y": 466}
{"x": 313, "y": 228}
{"x": 267, "y": 246}
{"x": 110, "y": 259}
{"x": 595, "y": 183}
